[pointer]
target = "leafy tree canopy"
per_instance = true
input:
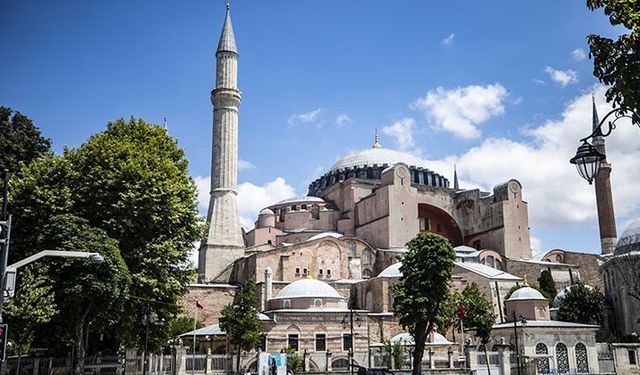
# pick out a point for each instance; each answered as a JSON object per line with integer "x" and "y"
{"x": 617, "y": 62}
{"x": 240, "y": 318}
{"x": 423, "y": 288}
{"x": 20, "y": 140}
{"x": 581, "y": 304}
{"x": 478, "y": 312}
{"x": 131, "y": 184}
{"x": 547, "y": 285}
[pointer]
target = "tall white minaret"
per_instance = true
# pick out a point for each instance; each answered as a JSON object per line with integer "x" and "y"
{"x": 224, "y": 242}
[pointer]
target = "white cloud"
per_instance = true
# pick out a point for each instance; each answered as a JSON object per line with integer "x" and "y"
{"x": 538, "y": 81}
{"x": 562, "y": 77}
{"x": 555, "y": 192}
{"x": 304, "y": 118}
{"x": 343, "y": 119}
{"x": 448, "y": 40}
{"x": 402, "y": 133}
{"x": 460, "y": 110}
{"x": 578, "y": 54}
{"x": 245, "y": 164}
{"x": 536, "y": 248}
{"x": 251, "y": 198}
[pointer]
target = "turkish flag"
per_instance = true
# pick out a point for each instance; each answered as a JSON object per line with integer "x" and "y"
{"x": 199, "y": 305}
{"x": 461, "y": 312}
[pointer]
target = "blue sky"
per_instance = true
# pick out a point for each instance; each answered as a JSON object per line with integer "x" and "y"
{"x": 501, "y": 88}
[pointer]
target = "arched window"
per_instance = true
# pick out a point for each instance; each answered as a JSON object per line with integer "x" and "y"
{"x": 315, "y": 212}
{"x": 340, "y": 364}
{"x": 543, "y": 362}
{"x": 562, "y": 358}
{"x": 582, "y": 361}
{"x": 366, "y": 273}
{"x": 366, "y": 256}
{"x": 490, "y": 261}
{"x": 352, "y": 249}
{"x": 559, "y": 258}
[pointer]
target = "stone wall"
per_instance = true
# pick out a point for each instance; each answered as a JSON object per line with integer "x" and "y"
{"x": 213, "y": 296}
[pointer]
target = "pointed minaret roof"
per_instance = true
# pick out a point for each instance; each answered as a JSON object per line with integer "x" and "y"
{"x": 227, "y": 39}
{"x": 595, "y": 120}
{"x": 456, "y": 185}
{"x": 375, "y": 141}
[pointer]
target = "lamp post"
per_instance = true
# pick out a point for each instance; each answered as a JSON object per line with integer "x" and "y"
{"x": 587, "y": 158}
{"x": 149, "y": 317}
{"x": 523, "y": 321}
{"x": 344, "y": 323}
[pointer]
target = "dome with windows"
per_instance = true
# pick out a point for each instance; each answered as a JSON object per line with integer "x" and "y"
{"x": 370, "y": 163}
{"x": 308, "y": 288}
{"x": 526, "y": 293}
{"x": 629, "y": 239}
{"x": 377, "y": 156}
{"x": 561, "y": 294}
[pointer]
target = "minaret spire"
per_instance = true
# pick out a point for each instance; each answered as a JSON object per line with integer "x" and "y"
{"x": 225, "y": 242}
{"x": 375, "y": 140}
{"x": 604, "y": 198}
{"x": 456, "y": 185}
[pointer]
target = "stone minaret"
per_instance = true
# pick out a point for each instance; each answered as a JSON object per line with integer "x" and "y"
{"x": 224, "y": 243}
{"x": 604, "y": 199}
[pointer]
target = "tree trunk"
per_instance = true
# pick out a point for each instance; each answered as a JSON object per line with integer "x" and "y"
{"x": 238, "y": 360}
{"x": 486, "y": 358}
{"x": 19, "y": 359}
{"x": 421, "y": 330}
{"x": 78, "y": 345}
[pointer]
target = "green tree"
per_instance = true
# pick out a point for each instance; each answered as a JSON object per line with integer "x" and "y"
{"x": 423, "y": 288}
{"x": 581, "y": 304}
{"x": 130, "y": 181}
{"x": 547, "y": 285}
{"x": 32, "y": 306}
{"x": 478, "y": 315}
{"x": 616, "y": 63}
{"x": 20, "y": 140}
{"x": 295, "y": 363}
{"x": 393, "y": 350}
{"x": 448, "y": 316}
{"x": 181, "y": 324}
{"x": 240, "y": 319}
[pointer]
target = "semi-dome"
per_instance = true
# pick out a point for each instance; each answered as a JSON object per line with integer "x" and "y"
{"x": 307, "y": 199}
{"x": 378, "y": 156}
{"x": 266, "y": 211}
{"x": 526, "y": 293}
{"x": 392, "y": 271}
{"x": 629, "y": 239}
{"x": 308, "y": 288}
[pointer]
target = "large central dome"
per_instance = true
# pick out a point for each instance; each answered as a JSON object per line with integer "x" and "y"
{"x": 378, "y": 156}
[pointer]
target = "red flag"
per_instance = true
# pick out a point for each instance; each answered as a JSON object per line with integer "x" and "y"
{"x": 199, "y": 305}
{"x": 461, "y": 312}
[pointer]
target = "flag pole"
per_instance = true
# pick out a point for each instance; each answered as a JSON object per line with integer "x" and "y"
{"x": 195, "y": 321}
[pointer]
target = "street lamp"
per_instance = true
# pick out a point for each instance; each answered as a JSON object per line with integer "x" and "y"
{"x": 346, "y": 324}
{"x": 523, "y": 322}
{"x": 587, "y": 159}
{"x": 149, "y": 317}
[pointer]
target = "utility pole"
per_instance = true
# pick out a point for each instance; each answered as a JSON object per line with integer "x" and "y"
{"x": 5, "y": 239}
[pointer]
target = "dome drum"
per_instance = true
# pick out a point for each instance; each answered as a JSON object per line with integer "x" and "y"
{"x": 419, "y": 175}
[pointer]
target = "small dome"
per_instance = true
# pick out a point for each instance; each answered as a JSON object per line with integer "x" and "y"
{"x": 308, "y": 288}
{"x": 266, "y": 211}
{"x": 526, "y": 293}
{"x": 560, "y": 296}
{"x": 392, "y": 271}
{"x": 407, "y": 339}
{"x": 378, "y": 156}
{"x": 629, "y": 239}
{"x": 464, "y": 249}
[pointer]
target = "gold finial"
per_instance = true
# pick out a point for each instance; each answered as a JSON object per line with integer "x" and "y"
{"x": 375, "y": 142}
{"x": 228, "y": 6}
{"x": 309, "y": 277}
{"x": 526, "y": 283}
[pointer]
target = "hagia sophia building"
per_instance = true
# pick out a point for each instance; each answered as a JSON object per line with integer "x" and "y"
{"x": 317, "y": 257}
